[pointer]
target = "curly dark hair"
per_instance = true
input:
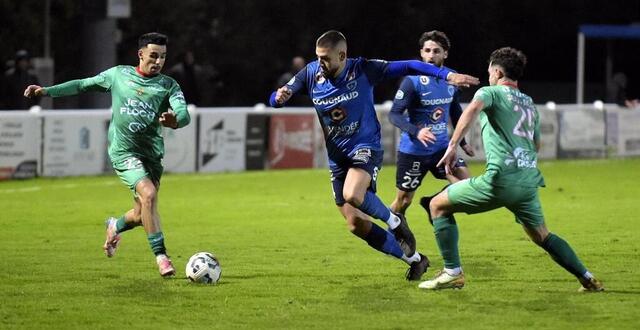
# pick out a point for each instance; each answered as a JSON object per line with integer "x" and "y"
{"x": 511, "y": 60}
{"x": 436, "y": 36}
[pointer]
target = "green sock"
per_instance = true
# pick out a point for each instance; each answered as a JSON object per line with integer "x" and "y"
{"x": 156, "y": 241}
{"x": 563, "y": 254}
{"x": 446, "y": 231}
{"x": 122, "y": 225}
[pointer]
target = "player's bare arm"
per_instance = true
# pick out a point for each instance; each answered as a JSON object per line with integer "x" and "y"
{"x": 468, "y": 115}
{"x": 462, "y": 80}
{"x": 34, "y": 91}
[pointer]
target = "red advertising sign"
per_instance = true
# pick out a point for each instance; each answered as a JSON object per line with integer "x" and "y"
{"x": 291, "y": 141}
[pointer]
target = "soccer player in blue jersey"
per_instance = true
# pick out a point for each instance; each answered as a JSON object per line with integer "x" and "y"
{"x": 429, "y": 103}
{"x": 341, "y": 90}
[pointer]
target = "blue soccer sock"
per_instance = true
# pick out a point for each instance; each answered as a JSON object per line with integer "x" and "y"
{"x": 373, "y": 206}
{"x": 383, "y": 241}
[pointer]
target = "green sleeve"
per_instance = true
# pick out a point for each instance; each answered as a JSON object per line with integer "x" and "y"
{"x": 484, "y": 94}
{"x": 99, "y": 83}
{"x": 179, "y": 106}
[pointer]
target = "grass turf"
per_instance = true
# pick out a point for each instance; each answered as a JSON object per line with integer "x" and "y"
{"x": 289, "y": 262}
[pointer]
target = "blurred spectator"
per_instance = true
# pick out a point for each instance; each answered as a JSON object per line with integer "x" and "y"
{"x": 617, "y": 92}
{"x": 16, "y": 79}
{"x": 632, "y": 104}
{"x": 297, "y": 63}
{"x": 200, "y": 84}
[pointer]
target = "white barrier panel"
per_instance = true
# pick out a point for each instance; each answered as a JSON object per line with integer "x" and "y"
{"x": 20, "y": 139}
{"x": 75, "y": 142}
{"x": 581, "y": 134}
{"x": 623, "y": 132}
{"x": 548, "y": 134}
{"x": 180, "y": 148}
{"x": 222, "y": 140}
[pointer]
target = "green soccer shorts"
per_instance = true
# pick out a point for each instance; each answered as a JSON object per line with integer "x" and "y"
{"x": 132, "y": 170}
{"x": 477, "y": 195}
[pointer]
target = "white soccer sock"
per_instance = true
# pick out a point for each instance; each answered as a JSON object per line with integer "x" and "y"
{"x": 393, "y": 221}
{"x": 453, "y": 271}
{"x": 414, "y": 258}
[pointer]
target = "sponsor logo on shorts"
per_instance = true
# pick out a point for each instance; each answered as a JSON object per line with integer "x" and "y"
{"x": 362, "y": 156}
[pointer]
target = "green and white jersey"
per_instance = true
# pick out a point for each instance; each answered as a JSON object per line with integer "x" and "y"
{"x": 136, "y": 104}
{"x": 510, "y": 130}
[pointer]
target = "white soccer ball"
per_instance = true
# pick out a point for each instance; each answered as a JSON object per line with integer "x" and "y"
{"x": 203, "y": 267}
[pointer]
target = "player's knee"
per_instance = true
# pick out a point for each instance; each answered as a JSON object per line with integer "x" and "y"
{"x": 352, "y": 198}
{"x": 148, "y": 196}
{"x": 436, "y": 209}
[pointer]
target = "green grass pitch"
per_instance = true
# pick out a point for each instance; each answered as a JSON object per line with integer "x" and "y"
{"x": 289, "y": 262}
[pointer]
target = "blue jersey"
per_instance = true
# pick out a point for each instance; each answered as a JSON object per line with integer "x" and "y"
{"x": 428, "y": 102}
{"x": 344, "y": 104}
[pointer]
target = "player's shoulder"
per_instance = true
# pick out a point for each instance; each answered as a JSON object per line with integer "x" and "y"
{"x": 366, "y": 61}
{"x": 167, "y": 78}
{"x": 485, "y": 92}
{"x": 123, "y": 69}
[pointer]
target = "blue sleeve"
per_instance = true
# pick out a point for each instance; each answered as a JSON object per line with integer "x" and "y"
{"x": 404, "y": 96}
{"x": 415, "y": 68}
{"x": 455, "y": 111}
{"x": 296, "y": 85}
{"x": 375, "y": 70}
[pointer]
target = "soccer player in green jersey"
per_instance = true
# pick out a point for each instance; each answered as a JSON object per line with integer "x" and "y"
{"x": 511, "y": 136}
{"x": 142, "y": 99}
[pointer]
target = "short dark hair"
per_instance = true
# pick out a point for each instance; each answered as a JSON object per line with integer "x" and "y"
{"x": 152, "y": 38}
{"x": 437, "y": 36}
{"x": 330, "y": 39}
{"x": 511, "y": 60}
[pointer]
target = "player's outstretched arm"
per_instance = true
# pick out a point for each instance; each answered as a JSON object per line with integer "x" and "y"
{"x": 413, "y": 67}
{"x": 294, "y": 86}
{"x": 455, "y": 111}
{"x": 462, "y": 80}
{"x": 468, "y": 115}
{"x": 34, "y": 91}
{"x": 280, "y": 97}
